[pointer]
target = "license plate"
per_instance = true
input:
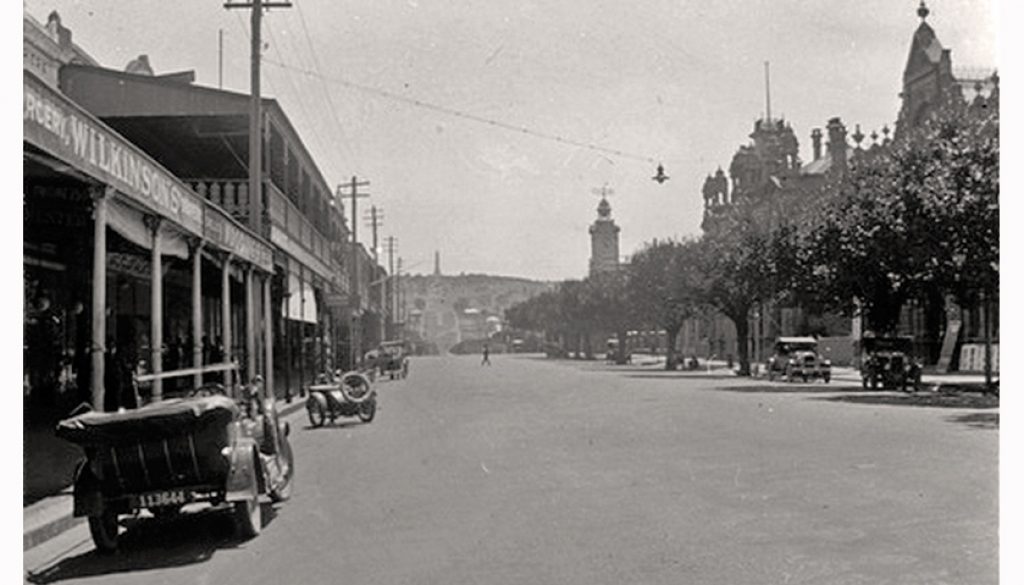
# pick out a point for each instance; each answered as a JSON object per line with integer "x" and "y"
{"x": 164, "y": 498}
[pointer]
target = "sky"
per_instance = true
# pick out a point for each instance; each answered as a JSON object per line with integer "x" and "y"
{"x": 676, "y": 82}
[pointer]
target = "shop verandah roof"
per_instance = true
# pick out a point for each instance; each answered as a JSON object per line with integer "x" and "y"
{"x": 196, "y": 131}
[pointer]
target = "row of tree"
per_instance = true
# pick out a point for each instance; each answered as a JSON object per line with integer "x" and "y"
{"x": 917, "y": 219}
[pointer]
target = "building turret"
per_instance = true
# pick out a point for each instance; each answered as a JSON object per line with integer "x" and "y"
{"x": 837, "y": 143}
{"x": 816, "y": 143}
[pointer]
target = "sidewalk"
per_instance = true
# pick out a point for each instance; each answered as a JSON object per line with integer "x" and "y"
{"x": 52, "y": 516}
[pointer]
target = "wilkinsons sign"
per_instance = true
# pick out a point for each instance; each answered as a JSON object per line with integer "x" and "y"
{"x": 56, "y": 125}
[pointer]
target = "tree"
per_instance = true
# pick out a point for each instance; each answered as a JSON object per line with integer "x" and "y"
{"x": 664, "y": 288}
{"x": 607, "y": 307}
{"x": 743, "y": 263}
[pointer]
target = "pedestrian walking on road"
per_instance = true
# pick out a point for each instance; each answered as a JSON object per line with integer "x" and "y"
{"x": 487, "y": 352}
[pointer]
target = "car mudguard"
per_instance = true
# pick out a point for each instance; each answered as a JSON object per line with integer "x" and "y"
{"x": 244, "y": 474}
{"x": 88, "y": 499}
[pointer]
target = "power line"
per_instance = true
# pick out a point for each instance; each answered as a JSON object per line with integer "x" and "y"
{"x": 323, "y": 84}
{"x": 466, "y": 115}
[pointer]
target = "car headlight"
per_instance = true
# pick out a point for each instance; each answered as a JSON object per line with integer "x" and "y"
{"x": 792, "y": 362}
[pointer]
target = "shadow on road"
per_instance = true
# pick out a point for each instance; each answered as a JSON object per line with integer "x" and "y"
{"x": 148, "y": 544}
{"x": 795, "y": 388}
{"x": 345, "y": 424}
{"x": 933, "y": 399}
{"x": 979, "y": 420}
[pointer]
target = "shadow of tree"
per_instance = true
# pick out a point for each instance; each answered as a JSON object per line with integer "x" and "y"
{"x": 978, "y": 420}
{"x": 930, "y": 399}
{"x": 795, "y": 388}
{"x": 146, "y": 544}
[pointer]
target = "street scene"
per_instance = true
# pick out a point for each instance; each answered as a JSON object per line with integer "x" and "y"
{"x": 559, "y": 472}
{"x": 413, "y": 292}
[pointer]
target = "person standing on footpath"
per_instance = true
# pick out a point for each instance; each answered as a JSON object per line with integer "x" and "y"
{"x": 487, "y": 352}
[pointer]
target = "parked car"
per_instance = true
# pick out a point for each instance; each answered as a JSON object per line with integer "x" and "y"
{"x": 889, "y": 362}
{"x": 393, "y": 359}
{"x": 225, "y": 448}
{"x": 798, "y": 357}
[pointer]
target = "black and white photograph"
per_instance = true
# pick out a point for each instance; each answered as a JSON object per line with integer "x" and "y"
{"x": 581, "y": 292}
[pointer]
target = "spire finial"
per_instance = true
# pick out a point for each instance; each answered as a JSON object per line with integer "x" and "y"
{"x": 922, "y": 11}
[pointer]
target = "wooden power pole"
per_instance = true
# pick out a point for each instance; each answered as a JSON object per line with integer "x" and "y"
{"x": 255, "y": 111}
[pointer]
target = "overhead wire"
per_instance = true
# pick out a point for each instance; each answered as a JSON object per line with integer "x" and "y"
{"x": 466, "y": 115}
{"x": 330, "y": 103}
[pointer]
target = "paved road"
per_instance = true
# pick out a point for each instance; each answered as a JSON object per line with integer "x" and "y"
{"x": 543, "y": 472}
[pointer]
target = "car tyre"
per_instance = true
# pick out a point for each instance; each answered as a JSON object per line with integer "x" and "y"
{"x": 827, "y": 377}
{"x": 316, "y": 408}
{"x": 249, "y": 516}
{"x": 367, "y": 410}
{"x": 285, "y": 459}
{"x": 104, "y": 529}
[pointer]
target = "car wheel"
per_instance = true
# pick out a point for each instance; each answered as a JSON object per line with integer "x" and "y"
{"x": 827, "y": 377}
{"x": 316, "y": 408}
{"x": 286, "y": 461}
{"x": 103, "y": 529}
{"x": 248, "y": 516}
{"x": 367, "y": 410}
{"x": 804, "y": 378}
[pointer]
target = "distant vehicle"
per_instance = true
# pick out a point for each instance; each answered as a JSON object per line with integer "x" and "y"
{"x": 393, "y": 359}
{"x": 798, "y": 357}
{"x": 517, "y": 345}
{"x": 889, "y": 362}
{"x": 348, "y": 394}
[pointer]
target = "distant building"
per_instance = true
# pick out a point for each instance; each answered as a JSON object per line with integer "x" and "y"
{"x": 768, "y": 178}
{"x": 604, "y": 240}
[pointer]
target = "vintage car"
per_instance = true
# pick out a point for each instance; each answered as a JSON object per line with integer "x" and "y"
{"x": 348, "y": 394}
{"x": 797, "y": 357}
{"x": 208, "y": 446}
{"x": 393, "y": 359}
{"x": 889, "y": 362}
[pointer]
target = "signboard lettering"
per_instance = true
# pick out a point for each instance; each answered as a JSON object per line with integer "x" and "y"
{"x": 58, "y": 127}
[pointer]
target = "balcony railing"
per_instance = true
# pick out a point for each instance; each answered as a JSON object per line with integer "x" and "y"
{"x": 233, "y": 196}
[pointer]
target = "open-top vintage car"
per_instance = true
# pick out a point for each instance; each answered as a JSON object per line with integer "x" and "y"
{"x": 889, "y": 362}
{"x": 797, "y": 357}
{"x": 208, "y": 446}
{"x": 393, "y": 359}
{"x": 348, "y": 394}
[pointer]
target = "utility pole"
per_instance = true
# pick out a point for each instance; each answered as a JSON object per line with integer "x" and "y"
{"x": 391, "y": 271}
{"x": 376, "y": 220}
{"x": 399, "y": 307}
{"x": 255, "y": 113}
{"x": 354, "y": 185}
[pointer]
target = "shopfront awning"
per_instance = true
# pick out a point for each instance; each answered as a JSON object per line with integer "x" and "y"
{"x": 301, "y": 302}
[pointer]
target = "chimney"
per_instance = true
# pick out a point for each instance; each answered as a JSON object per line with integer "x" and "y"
{"x": 837, "y": 142}
{"x": 816, "y": 143}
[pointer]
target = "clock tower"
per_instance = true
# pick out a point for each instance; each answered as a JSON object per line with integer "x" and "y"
{"x": 604, "y": 239}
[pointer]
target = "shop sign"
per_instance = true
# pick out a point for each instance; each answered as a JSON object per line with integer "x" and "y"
{"x": 225, "y": 234}
{"x": 55, "y": 124}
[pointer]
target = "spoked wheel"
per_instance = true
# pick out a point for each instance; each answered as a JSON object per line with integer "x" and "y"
{"x": 316, "y": 408}
{"x": 248, "y": 516}
{"x": 104, "y": 530}
{"x": 286, "y": 461}
{"x": 367, "y": 410}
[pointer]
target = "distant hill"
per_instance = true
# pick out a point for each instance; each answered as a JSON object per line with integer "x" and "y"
{"x": 446, "y": 309}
